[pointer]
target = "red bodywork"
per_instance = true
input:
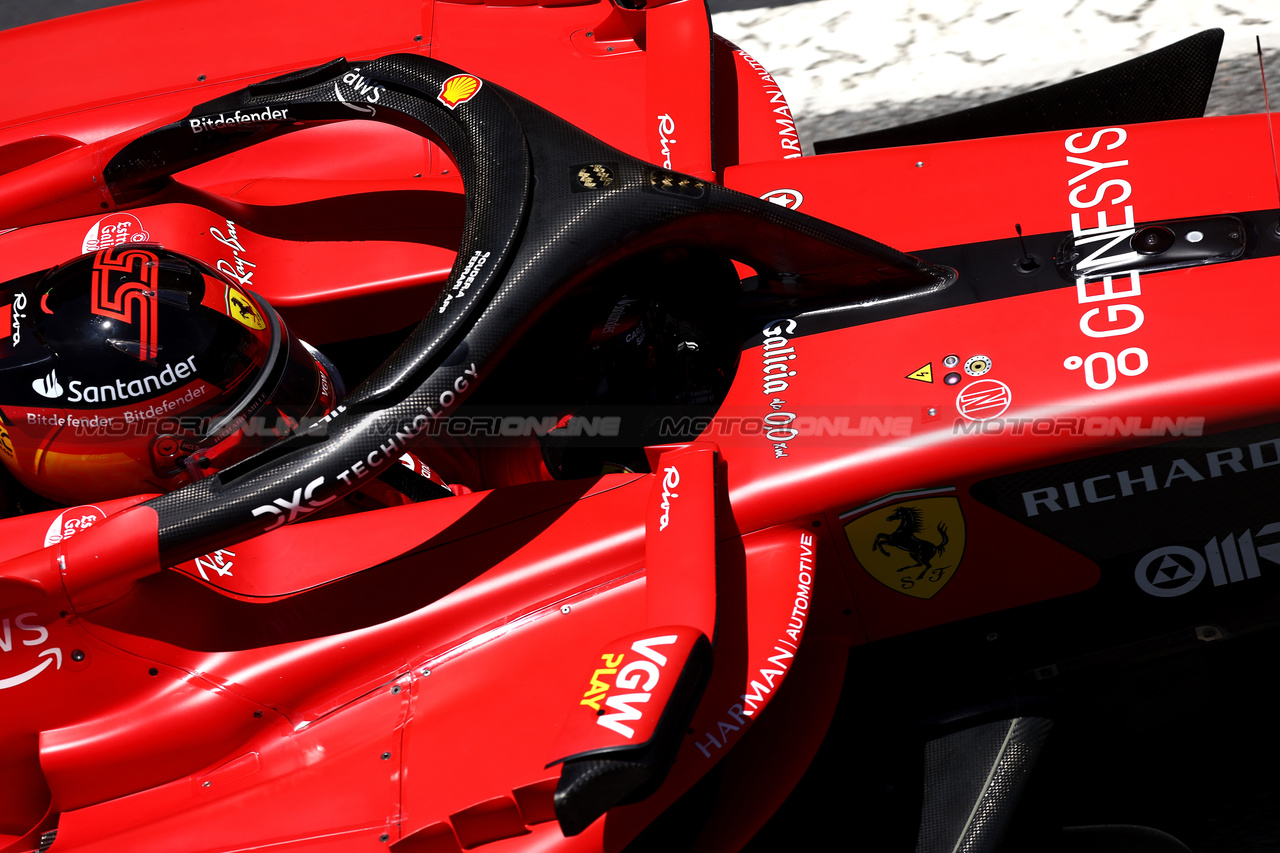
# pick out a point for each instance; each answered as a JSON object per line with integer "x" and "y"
{"x": 405, "y": 678}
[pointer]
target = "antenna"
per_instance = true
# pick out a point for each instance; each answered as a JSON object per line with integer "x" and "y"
{"x": 1026, "y": 263}
{"x": 1266, "y": 100}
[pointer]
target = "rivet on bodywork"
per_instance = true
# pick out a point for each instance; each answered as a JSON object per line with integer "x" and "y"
{"x": 564, "y": 609}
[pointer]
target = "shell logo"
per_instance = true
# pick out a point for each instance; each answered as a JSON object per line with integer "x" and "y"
{"x": 459, "y": 89}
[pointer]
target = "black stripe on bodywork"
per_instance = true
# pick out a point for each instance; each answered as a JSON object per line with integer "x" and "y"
{"x": 986, "y": 271}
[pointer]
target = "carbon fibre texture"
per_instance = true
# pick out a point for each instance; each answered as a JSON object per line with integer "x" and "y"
{"x": 972, "y": 782}
{"x": 546, "y": 204}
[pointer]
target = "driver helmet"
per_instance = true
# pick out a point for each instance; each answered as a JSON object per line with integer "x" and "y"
{"x": 137, "y": 369}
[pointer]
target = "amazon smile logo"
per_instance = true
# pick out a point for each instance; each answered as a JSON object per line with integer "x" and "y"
{"x": 11, "y": 636}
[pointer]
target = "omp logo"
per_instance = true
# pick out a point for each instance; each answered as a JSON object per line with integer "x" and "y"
{"x": 363, "y": 88}
{"x": 459, "y": 89}
{"x": 670, "y": 479}
{"x": 25, "y": 623}
{"x": 640, "y": 676}
{"x": 48, "y": 386}
{"x": 984, "y": 399}
{"x": 132, "y": 300}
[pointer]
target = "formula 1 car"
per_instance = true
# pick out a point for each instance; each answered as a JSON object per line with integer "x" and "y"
{"x": 985, "y": 532}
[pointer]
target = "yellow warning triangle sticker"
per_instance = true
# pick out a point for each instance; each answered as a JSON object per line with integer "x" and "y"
{"x": 923, "y": 374}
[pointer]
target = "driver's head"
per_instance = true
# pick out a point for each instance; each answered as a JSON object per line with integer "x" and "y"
{"x": 137, "y": 369}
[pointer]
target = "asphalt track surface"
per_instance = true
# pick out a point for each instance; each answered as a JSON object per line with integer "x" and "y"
{"x": 1229, "y": 809}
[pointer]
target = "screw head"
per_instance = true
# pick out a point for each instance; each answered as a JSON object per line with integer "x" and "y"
{"x": 77, "y": 655}
{"x": 564, "y": 608}
{"x": 386, "y": 756}
{"x": 395, "y": 688}
{"x": 200, "y": 79}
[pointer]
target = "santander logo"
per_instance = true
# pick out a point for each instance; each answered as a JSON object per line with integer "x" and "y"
{"x": 47, "y": 386}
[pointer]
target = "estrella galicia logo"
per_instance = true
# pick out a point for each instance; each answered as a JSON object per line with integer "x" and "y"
{"x": 912, "y": 545}
{"x": 48, "y": 386}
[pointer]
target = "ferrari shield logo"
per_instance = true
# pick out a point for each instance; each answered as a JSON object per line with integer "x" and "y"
{"x": 910, "y": 544}
{"x": 240, "y": 309}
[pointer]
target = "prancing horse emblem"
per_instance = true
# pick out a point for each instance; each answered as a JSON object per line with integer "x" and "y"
{"x": 912, "y": 542}
{"x": 905, "y": 537}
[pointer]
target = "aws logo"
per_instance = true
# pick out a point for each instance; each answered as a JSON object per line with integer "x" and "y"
{"x": 639, "y": 678}
{"x": 22, "y": 631}
{"x": 360, "y": 88}
{"x": 912, "y": 545}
